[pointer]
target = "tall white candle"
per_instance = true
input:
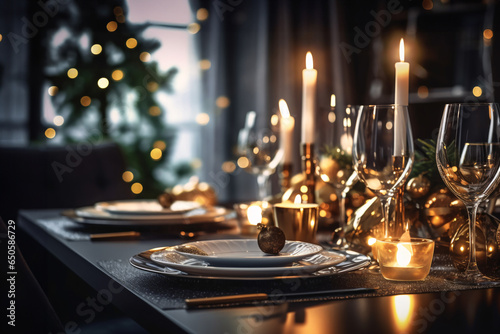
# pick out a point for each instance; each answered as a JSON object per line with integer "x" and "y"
{"x": 309, "y": 77}
{"x": 401, "y": 99}
{"x": 287, "y": 125}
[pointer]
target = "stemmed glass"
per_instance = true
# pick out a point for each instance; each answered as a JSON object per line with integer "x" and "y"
{"x": 260, "y": 145}
{"x": 468, "y": 159}
{"x": 335, "y": 166}
{"x": 383, "y": 152}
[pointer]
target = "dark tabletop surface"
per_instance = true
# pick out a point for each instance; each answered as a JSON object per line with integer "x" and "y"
{"x": 467, "y": 311}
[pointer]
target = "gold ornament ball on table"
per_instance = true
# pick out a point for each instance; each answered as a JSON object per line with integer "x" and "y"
{"x": 418, "y": 186}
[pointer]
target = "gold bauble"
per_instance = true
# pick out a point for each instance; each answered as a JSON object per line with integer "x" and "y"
{"x": 418, "y": 186}
{"x": 442, "y": 208}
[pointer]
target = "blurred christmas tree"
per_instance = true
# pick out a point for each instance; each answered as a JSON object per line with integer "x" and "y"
{"x": 104, "y": 86}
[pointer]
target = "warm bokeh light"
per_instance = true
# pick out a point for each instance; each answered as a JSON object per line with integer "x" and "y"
{"x": 118, "y": 10}
{"x": 127, "y": 176}
{"x": 1, "y": 37}
{"x": 58, "y": 120}
{"x": 156, "y": 154}
{"x": 72, "y": 73}
{"x": 96, "y": 49}
{"x": 196, "y": 163}
{"x": 331, "y": 117}
{"x": 202, "y": 118}
{"x": 50, "y": 133}
{"x": 202, "y": 14}
{"x": 120, "y": 18}
{"x": 388, "y": 125}
{"x": 136, "y": 188}
{"x": 477, "y": 91}
{"x": 222, "y": 102}
{"x": 488, "y": 34}
{"x": 111, "y": 26}
{"x": 131, "y": 43}
{"x": 117, "y": 75}
{"x": 205, "y": 64}
{"x": 333, "y": 101}
{"x": 193, "y": 28}
{"x": 85, "y": 101}
{"x": 228, "y": 166}
{"x": 427, "y": 4}
{"x": 371, "y": 241}
{"x": 152, "y": 86}
{"x": 274, "y": 120}
{"x": 103, "y": 83}
{"x": 303, "y": 189}
{"x": 254, "y": 214}
{"x": 243, "y": 162}
{"x": 160, "y": 144}
{"x": 53, "y": 90}
{"x": 154, "y": 111}
{"x": 423, "y": 92}
{"x": 145, "y": 56}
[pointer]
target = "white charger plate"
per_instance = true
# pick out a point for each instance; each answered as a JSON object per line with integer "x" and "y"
{"x": 245, "y": 252}
{"x": 354, "y": 261}
{"x": 146, "y": 207}
{"x": 173, "y": 259}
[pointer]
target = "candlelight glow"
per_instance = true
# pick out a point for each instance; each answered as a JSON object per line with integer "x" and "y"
{"x": 254, "y": 214}
{"x": 285, "y": 113}
{"x": 298, "y": 199}
{"x": 402, "y": 50}
{"x": 403, "y": 256}
{"x": 333, "y": 101}
{"x": 309, "y": 61}
{"x": 403, "y": 308}
{"x": 371, "y": 241}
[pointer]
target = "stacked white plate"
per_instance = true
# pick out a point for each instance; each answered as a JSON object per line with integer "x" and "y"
{"x": 242, "y": 259}
{"x": 146, "y": 212}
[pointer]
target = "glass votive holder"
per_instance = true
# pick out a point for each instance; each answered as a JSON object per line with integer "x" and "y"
{"x": 252, "y": 213}
{"x": 405, "y": 260}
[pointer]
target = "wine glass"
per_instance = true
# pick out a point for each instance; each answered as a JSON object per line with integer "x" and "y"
{"x": 335, "y": 166}
{"x": 383, "y": 153}
{"x": 468, "y": 160}
{"x": 260, "y": 146}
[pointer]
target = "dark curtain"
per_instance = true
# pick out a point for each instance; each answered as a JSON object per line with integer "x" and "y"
{"x": 257, "y": 52}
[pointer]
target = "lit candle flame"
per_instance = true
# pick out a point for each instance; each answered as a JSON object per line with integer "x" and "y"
{"x": 403, "y": 256}
{"x": 285, "y": 113}
{"x": 298, "y": 199}
{"x": 309, "y": 61}
{"x": 333, "y": 101}
{"x": 402, "y": 50}
{"x": 254, "y": 214}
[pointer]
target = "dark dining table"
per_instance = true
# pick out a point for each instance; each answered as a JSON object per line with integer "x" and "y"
{"x": 156, "y": 301}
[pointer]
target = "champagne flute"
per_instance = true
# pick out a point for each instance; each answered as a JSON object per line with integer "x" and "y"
{"x": 335, "y": 166}
{"x": 383, "y": 153}
{"x": 468, "y": 160}
{"x": 260, "y": 146}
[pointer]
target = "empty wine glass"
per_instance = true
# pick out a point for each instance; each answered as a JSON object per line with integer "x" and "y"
{"x": 468, "y": 160}
{"x": 260, "y": 146}
{"x": 383, "y": 152}
{"x": 335, "y": 166}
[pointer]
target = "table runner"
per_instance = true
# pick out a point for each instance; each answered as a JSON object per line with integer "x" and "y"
{"x": 170, "y": 292}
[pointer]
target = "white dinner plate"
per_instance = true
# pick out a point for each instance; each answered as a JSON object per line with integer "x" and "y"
{"x": 90, "y": 215}
{"x": 353, "y": 261}
{"x": 146, "y": 207}
{"x": 173, "y": 259}
{"x": 245, "y": 252}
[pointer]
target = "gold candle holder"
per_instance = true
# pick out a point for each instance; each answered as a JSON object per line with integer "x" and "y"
{"x": 309, "y": 169}
{"x": 405, "y": 260}
{"x": 299, "y": 221}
